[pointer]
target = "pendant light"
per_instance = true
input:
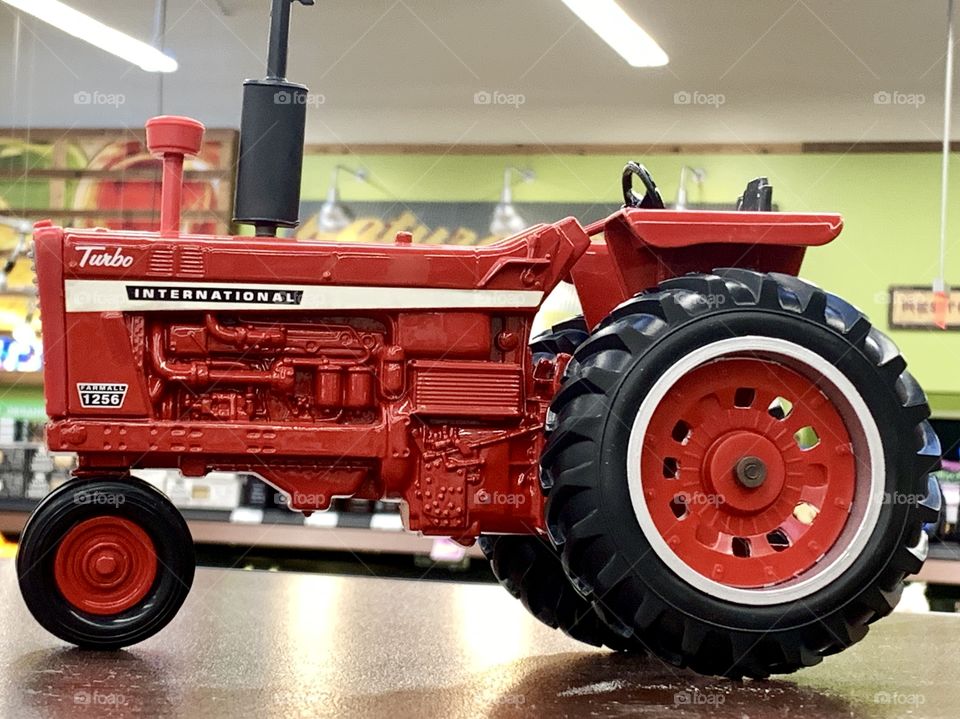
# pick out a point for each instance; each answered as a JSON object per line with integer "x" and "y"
{"x": 506, "y": 220}
{"x": 698, "y": 174}
{"x": 334, "y": 217}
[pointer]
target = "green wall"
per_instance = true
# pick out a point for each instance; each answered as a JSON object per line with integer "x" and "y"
{"x": 21, "y": 401}
{"x": 890, "y": 203}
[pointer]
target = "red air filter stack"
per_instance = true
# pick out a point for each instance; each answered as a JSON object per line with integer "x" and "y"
{"x": 172, "y": 138}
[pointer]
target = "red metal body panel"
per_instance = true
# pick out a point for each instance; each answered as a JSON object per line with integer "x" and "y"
{"x": 530, "y": 261}
{"x": 330, "y": 370}
{"x": 48, "y": 259}
{"x": 683, "y": 228}
{"x": 641, "y": 248}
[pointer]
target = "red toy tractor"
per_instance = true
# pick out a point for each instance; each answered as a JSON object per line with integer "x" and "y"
{"x": 726, "y": 467}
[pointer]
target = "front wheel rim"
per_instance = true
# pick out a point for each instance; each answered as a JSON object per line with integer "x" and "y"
{"x": 105, "y": 565}
{"x": 736, "y": 500}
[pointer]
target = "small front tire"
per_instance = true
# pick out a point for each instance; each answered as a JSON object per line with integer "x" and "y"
{"x": 105, "y": 563}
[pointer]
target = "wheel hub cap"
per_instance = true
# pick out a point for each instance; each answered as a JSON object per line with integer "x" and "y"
{"x": 751, "y": 472}
{"x": 726, "y": 460}
{"x": 105, "y": 565}
{"x": 748, "y": 472}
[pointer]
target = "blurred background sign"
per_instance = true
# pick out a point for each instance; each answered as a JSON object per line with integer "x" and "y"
{"x": 916, "y": 308}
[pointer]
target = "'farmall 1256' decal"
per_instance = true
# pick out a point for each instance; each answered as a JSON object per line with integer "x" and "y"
{"x": 98, "y": 256}
{"x": 97, "y": 394}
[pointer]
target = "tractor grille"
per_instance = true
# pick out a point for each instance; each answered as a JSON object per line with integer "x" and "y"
{"x": 161, "y": 261}
{"x": 171, "y": 260}
{"x": 467, "y": 389}
{"x": 191, "y": 261}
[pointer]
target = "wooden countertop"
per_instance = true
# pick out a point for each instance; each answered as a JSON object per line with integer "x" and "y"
{"x": 266, "y": 644}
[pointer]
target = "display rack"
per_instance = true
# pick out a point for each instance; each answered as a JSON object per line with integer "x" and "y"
{"x": 245, "y": 527}
{"x": 942, "y": 565}
{"x": 106, "y": 177}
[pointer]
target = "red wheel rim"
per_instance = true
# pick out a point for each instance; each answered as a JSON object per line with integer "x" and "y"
{"x": 105, "y": 565}
{"x": 748, "y": 472}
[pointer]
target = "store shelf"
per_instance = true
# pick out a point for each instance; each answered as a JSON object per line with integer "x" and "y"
{"x": 341, "y": 539}
{"x": 26, "y": 379}
{"x": 125, "y": 174}
{"x": 942, "y": 565}
{"x": 333, "y": 531}
{"x": 368, "y": 533}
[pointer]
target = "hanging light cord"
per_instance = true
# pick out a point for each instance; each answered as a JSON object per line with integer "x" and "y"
{"x": 940, "y": 282}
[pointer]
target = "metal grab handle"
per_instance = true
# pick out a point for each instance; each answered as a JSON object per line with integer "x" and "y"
{"x": 651, "y": 199}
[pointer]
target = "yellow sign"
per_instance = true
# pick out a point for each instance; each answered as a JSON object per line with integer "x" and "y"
{"x": 374, "y": 230}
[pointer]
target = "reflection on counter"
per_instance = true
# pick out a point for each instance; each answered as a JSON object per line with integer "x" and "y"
{"x": 282, "y": 645}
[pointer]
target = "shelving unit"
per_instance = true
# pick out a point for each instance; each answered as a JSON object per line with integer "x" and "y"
{"x": 245, "y": 527}
{"x": 942, "y": 565}
{"x": 92, "y": 177}
{"x": 221, "y": 509}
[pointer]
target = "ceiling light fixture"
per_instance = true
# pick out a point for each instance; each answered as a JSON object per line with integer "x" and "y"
{"x": 619, "y": 31}
{"x": 698, "y": 174}
{"x": 73, "y": 22}
{"x": 334, "y": 217}
{"x": 506, "y": 220}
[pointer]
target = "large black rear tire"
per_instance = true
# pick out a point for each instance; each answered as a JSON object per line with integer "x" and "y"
{"x": 528, "y": 566}
{"x": 732, "y": 624}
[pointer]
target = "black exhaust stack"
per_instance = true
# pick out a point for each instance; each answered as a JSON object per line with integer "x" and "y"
{"x": 271, "y": 138}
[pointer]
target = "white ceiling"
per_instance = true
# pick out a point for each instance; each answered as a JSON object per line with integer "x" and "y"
{"x": 408, "y": 70}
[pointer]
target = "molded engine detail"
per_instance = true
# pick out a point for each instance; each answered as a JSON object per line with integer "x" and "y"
{"x": 418, "y": 389}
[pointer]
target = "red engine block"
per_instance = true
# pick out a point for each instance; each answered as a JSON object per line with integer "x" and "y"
{"x": 417, "y": 388}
